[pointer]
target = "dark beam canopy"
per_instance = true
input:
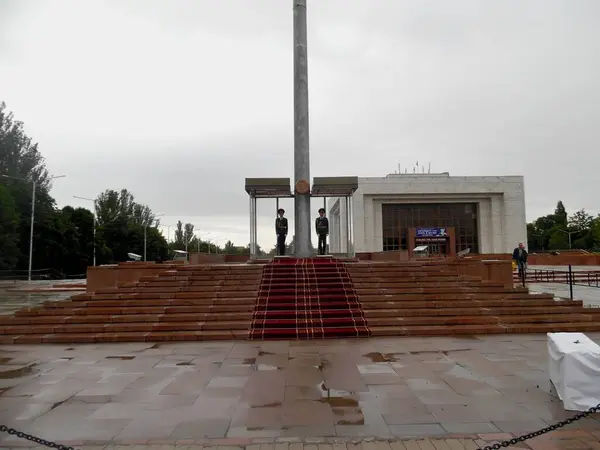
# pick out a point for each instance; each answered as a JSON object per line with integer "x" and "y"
{"x": 268, "y": 187}
{"x": 334, "y": 186}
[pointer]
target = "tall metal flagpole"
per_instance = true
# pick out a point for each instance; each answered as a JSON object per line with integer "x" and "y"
{"x": 301, "y": 142}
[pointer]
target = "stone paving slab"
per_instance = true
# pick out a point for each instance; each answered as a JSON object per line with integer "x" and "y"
{"x": 266, "y": 393}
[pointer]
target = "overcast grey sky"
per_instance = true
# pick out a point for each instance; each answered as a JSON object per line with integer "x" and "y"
{"x": 180, "y": 100}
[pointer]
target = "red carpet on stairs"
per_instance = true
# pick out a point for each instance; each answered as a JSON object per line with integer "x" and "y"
{"x": 307, "y": 298}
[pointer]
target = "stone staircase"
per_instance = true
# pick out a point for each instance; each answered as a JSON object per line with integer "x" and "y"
{"x": 204, "y": 302}
{"x": 302, "y": 300}
{"x": 432, "y": 299}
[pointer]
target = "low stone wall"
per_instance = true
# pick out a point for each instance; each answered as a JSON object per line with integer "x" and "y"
{"x": 497, "y": 270}
{"x": 103, "y": 277}
{"x": 114, "y": 275}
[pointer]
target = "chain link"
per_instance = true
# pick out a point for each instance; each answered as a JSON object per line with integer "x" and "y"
{"x": 537, "y": 433}
{"x": 37, "y": 440}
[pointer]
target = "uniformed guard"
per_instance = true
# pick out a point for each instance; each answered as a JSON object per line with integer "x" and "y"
{"x": 281, "y": 229}
{"x": 322, "y": 226}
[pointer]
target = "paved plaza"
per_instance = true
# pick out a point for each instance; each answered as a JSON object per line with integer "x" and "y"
{"x": 243, "y": 393}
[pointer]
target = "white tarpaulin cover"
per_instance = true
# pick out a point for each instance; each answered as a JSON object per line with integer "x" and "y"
{"x": 574, "y": 366}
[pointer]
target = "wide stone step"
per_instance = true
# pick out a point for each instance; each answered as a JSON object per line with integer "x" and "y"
{"x": 433, "y": 289}
{"x": 408, "y": 280}
{"x": 7, "y": 321}
{"x": 375, "y": 307}
{"x": 148, "y": 302}
{"x": 135, "y": 310}
{"x": 424, "y": 286}
{"x": 233, "y": 286}
{"x": 473, "y": 311}
{"x": 124, "y": 327}
{"x": 130, "y": 336}
{"x": 479, "y": 320}
{"x": 483, "y": 296}
{"x": 454, "y": 330}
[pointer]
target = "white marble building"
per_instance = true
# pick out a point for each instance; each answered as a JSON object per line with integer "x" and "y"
{"x": 500, "y": 204}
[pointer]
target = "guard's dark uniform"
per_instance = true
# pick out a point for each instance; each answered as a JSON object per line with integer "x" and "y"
{"x": 281, "y": 228}
{"x": 322, "y": 226}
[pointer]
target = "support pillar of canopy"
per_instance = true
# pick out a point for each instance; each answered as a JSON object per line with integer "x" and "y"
{"x": 338, "y": 187}
{"x": 260, "y": 188}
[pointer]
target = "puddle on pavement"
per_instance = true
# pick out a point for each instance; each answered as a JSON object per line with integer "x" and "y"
{"x": 124, "y": 358}
{"x": 4, "y": 360}
{"x": 69, "y": 349}
{"x": 265, "y": 353}
{"x": 443, "y": 352}
{"x": 9, "y": 372}
{"x": 268, "y": 405}
{"x": 249, "y": 361}
{"x": 446, "y": 352}
{"x": 264, "y": 367}
{"x": 336, "y": 398}
{"x": 185, "y": 364}
{"x": 343, "y": 404}
{"x": 377, "y": 357}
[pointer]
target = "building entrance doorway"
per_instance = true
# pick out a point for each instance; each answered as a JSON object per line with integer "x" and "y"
{"x": 440, "y": 242}
{"x": 438, "y": 249}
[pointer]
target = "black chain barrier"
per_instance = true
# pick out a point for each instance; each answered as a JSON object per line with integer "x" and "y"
{"x": 556, "y": 426}
{"x": 37, "y": 440}
{"x": 497, "y": 446}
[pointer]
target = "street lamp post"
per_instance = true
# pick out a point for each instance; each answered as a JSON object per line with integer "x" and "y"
{"x": 168, "y": 232}
{"x": 569, "y": 233}
{"x": 146, "y": 234}
{"x": 34, "y": 184}
{"x": 207, "y": 241}
{"x": 95, "y": 225}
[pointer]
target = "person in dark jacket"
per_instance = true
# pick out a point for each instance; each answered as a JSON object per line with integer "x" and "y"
{"x": 322, "y": 227}
{"x": 520, "y": 257}
{"x": 281, "y": 229}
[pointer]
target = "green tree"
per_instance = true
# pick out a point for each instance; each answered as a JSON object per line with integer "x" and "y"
{"x": 595, "y": 231}
{"x": 178, "y": 238}
{"x": 20, "y": 158}
{"x": 230, "y": 248}
{"x": 9, "y": 233}
{"x": 560, "y": 215}
{"x": 112, "y": 204}
{"x": 188, "y": 233}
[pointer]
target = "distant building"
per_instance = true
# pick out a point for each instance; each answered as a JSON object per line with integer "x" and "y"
{"x": 449, "y": 214}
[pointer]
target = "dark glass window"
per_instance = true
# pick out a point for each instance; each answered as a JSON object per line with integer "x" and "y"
{"x": 398, "y": 218}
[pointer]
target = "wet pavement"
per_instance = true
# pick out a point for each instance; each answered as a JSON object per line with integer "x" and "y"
{"x": 589, "y": 295}
{"x": 184, "y": 392}
{"x": 11, "y": 301}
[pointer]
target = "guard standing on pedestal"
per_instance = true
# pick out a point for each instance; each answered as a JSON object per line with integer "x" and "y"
{"x": 281, "y": 228}
{"x": 322, "y": 226}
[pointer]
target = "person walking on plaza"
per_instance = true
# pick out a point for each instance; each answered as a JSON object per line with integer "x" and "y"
{"x": 520, "y": 257}
{"x": 281, "y": 229}
{"x": 322, "y": 226}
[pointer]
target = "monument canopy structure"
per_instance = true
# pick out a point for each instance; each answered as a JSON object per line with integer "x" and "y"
{"x": 277, "y": 188}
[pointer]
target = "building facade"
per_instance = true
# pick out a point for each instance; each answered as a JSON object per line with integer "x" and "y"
{"x": 484, "y": 214}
